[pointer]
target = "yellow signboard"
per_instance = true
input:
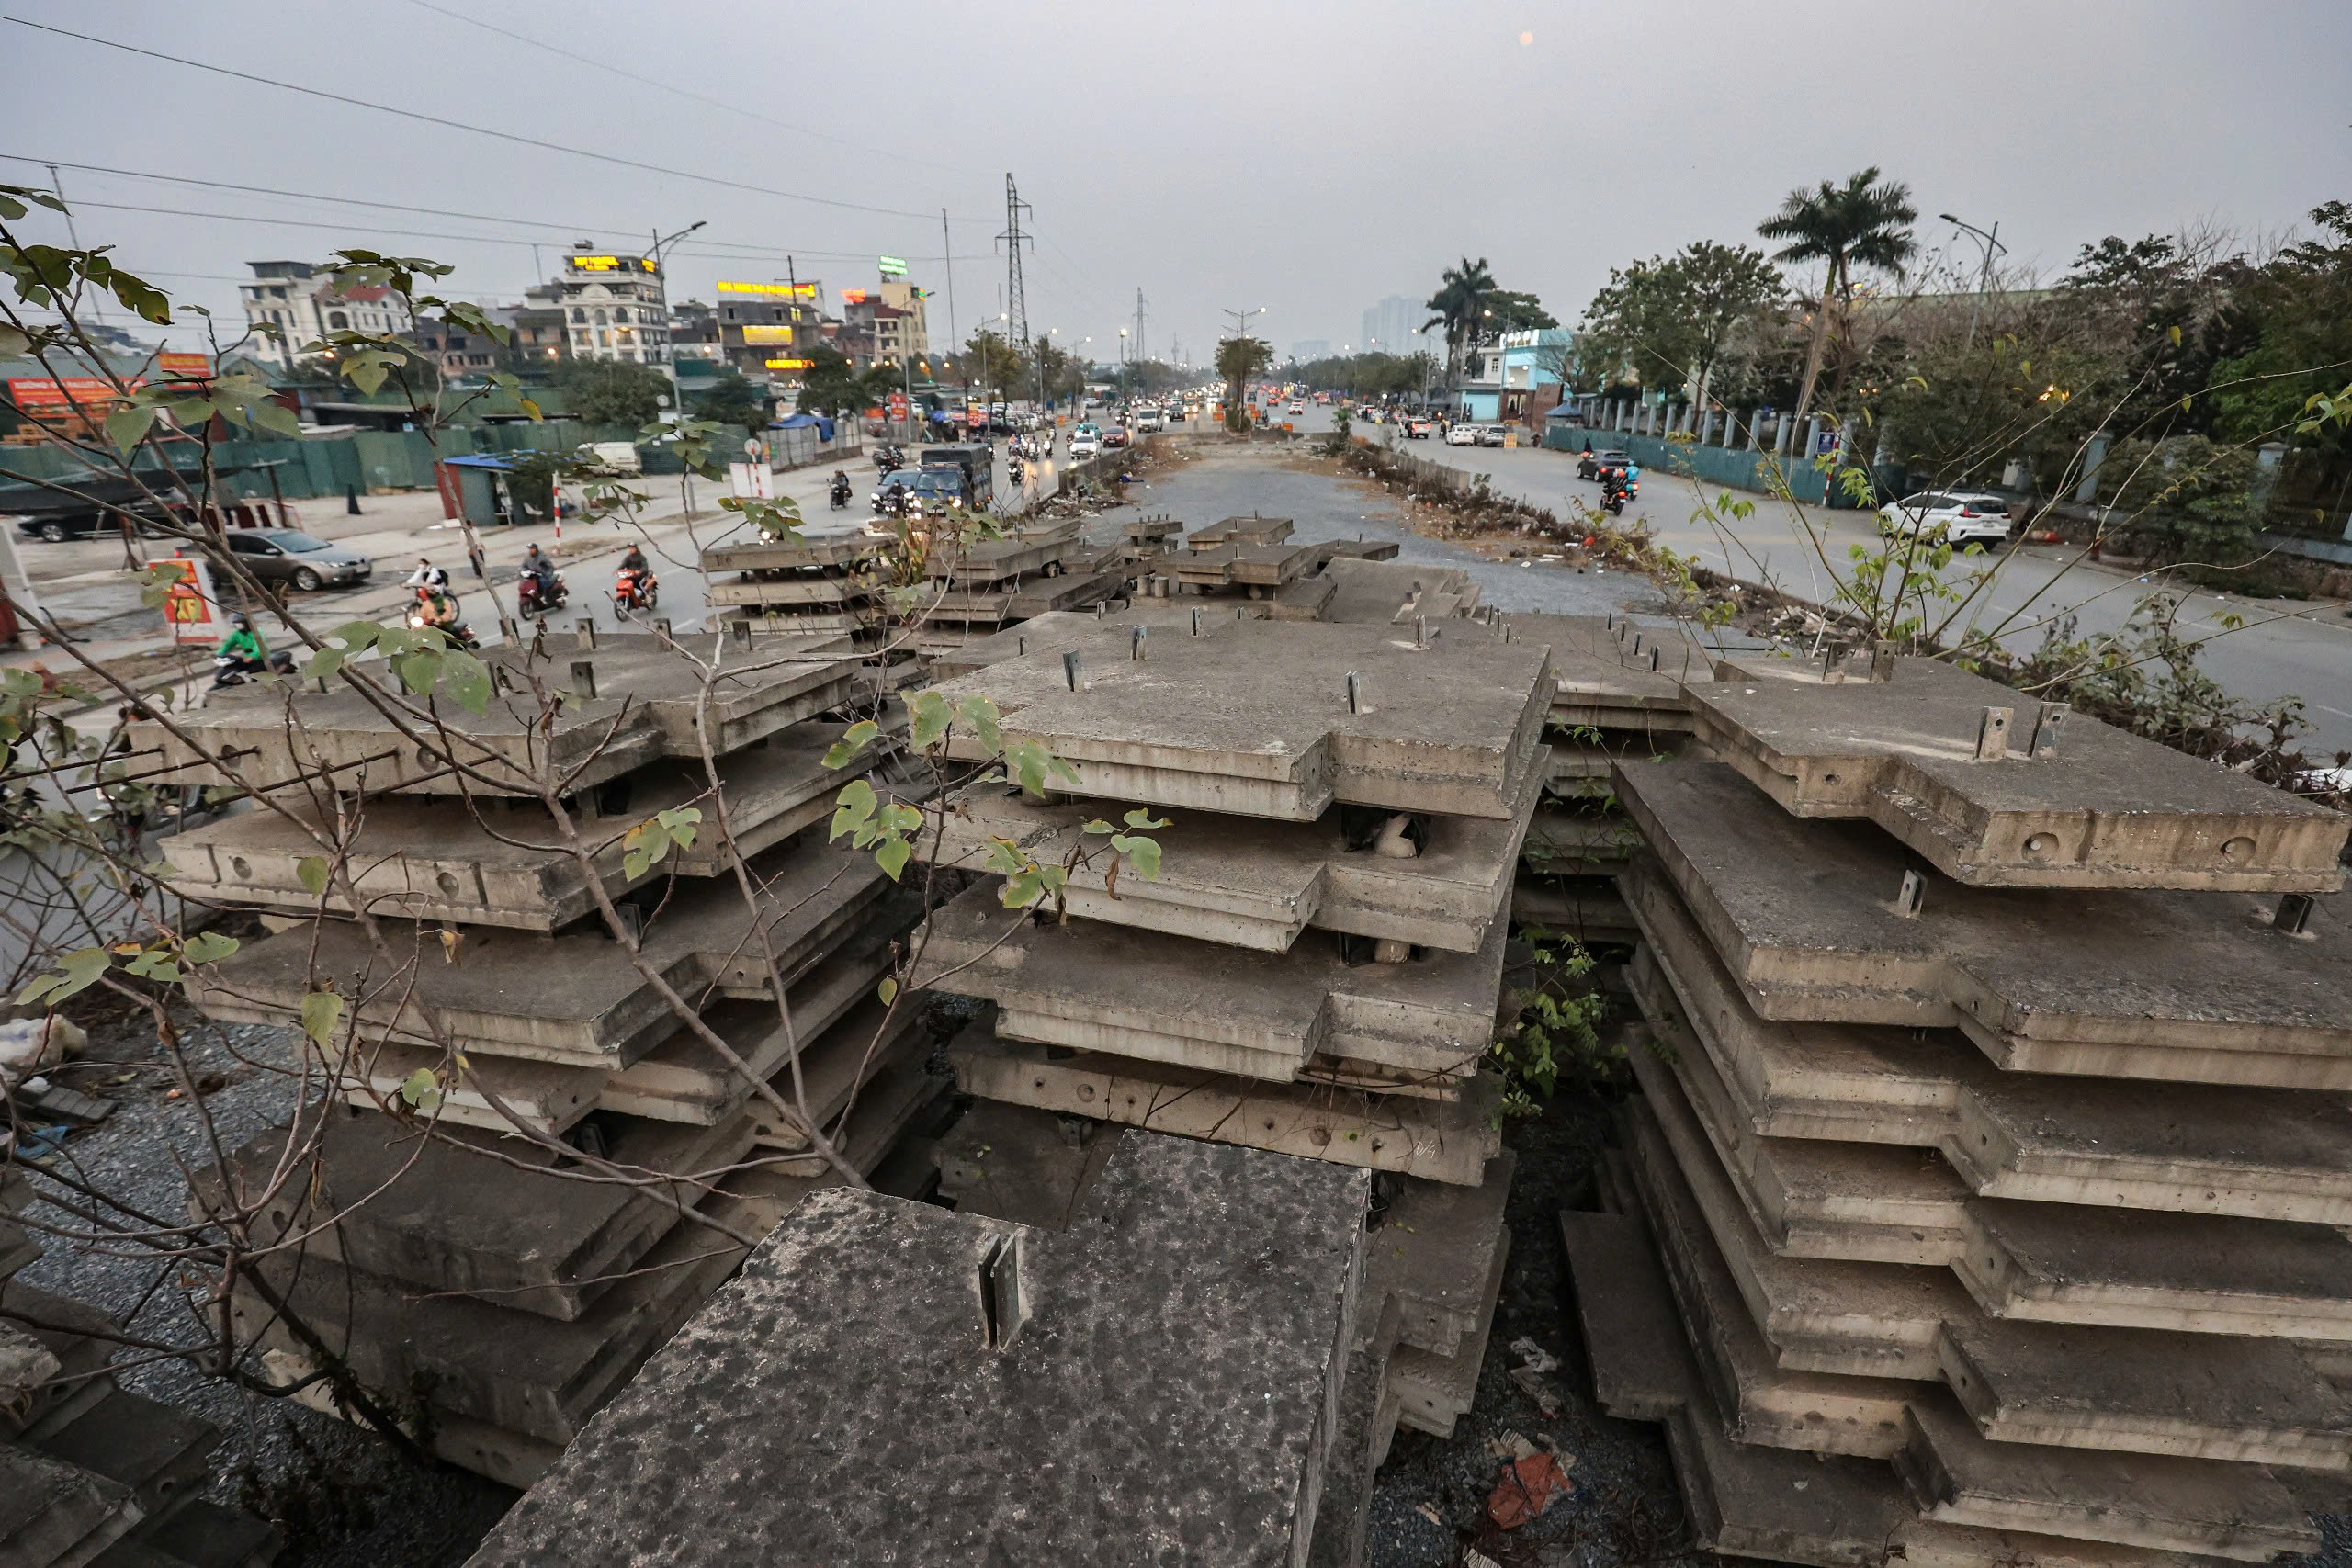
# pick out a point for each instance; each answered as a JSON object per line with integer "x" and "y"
{"x": 767, "y": 334}
{"x": 614, "y": 263}
{"x": 780, "y": 290}
{"x": 788, "y": 363}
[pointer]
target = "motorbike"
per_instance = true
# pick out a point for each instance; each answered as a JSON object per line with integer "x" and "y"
{"x": 460, "y": 634}
{"x": 536, "y": 596}
{"x": 889, "y": 457}
{"x": 1013, "y": 470}
{"x": 230, "y": 671}
{"x": 635, "y": 589}
{"x": 840, "y": 494}
{"x": 1613, "y": 500}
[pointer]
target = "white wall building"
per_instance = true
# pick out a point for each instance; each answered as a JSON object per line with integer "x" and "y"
{"x": 304, "y": 307}
{"x": 1394, "y": 326}
{"x": 615, "y": 307}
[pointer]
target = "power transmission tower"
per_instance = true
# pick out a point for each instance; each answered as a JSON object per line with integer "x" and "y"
{"x": 1016, "y": 300}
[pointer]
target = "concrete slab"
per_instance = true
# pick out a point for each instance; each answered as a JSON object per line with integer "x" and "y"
{"x": 1753, "y": 1499}
{"x": 1443, "y": 1141}
{"x": 2167, "y": 1504}
{"x": 55, "y": 1515}
{"x": 2267, "y": 1154}
{"x": 1303, "y": 600}
{"x": 1579, "y": 841}
{"x": 681, "y": 1079}
{"x": 1248, "y": 531}
{"x": 510, "y": 1370}
{"x": 158, "y": 1453}
{"x": 2162, "y": 984}
{"x": 2102, "y": 808}
{"x": 1015, "y": 555}
{"x": 1433, "y": 1252}
{"x": 1359, "y": 1442}
{"x": 426, "y": 859}
{"x": 1587, "y": 908}
{"x": 1249, "y": 883}
{"x": 1253, "y": 719}
{"x": 836, "y": 1064}
{"x": 441, "y": 1213}
{"x": 77, "y": 1336}
{"x": 649, "y": 705}
{"x": 1021, "y": 1165}
{"x": 570, "y": 998}
{"x": 1096, "y": 987}
{"x": 809, "y": 553}
{"x": 898, "y": 1098}
{"x": 825, "y": 591}
{"x": 1434, "y": 1392}
{"x": 1387, "y": 592}
{"x": 1096, "y": 1415}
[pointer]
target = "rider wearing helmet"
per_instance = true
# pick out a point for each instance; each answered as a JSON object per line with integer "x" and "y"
{"x": 242, "y": 644}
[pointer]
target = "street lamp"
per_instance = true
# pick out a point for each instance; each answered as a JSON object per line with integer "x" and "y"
{"x": 1988, "y": 240}
{"x": 669, "y": 354}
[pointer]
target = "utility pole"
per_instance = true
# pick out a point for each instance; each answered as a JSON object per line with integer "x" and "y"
{"x": 670, "y": 356}
{"x": 1142, "y": 354}
{"x": 1016, "y": 301}
{"x": 948, "y": 260}
{"x": 1990, "y": 240}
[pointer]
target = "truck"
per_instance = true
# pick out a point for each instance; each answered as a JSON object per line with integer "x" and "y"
{"x": 976, "y": 464}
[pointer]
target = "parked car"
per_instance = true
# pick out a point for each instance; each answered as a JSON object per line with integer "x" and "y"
{"x": 1491, "y": 434}
{"x": 1589, "y": 467}
{"x": 611, "y": 457}
{"x": 1958, "y": 517}
{"x": 83, "y": 522}
{"x": 294, "y": 557}
{"x": 1462, "y": 435}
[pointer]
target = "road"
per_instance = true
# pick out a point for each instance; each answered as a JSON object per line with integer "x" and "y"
{"x": 2285, "y": 648}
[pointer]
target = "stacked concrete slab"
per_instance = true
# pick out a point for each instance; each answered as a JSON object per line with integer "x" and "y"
{"x": 1992, "y": 1161}
{"x": 91, "y": 1474}
{"x": 467, "y": 1270}
{"x": 1316, "y": 965}
{"x": 1164, "y": 1380}
{"x": 981, "y": 585}
{"x": 818, "y": 584}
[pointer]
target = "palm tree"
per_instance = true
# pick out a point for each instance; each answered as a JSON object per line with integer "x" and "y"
{"x": 1865, "y": 222}
{"x": 1458, "y": 306}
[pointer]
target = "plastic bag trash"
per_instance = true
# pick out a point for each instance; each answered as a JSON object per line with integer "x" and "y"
{"x": 30, "y": 1046}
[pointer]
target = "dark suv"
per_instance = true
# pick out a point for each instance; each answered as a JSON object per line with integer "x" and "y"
{"x": 1589, "y": 467}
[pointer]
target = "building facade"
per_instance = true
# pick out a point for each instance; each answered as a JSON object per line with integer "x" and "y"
{"x": 1309, "y": 350}
{"x": 1394, "y": 326}
{"x": 303, "y": 307}
{"x": 766, "y": 330}
{"x": 1518, "y": 376}
{"x": 615, "y": 307}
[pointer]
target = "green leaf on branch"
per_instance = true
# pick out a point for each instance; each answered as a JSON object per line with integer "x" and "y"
{"x": 311, "y": 871}
{"x": 127, "y": 427}
{"x": 211, "y": 947}
{"x": 1142, "y": 820}
{"x": 681, "y": 823}
{"x": 1142, "y": 854}
{"x": 891, "y": 856}
{"x": 321, "y": 1011}
{"x": 930, "y": 715}
{"x": 888, "y": 990}
{"x": 467, "y": 680}
{"x": 854, "y": 809}
{"x": 76, "y": 972}
{"x": 421, "y": 1091}
{"x": 981, "y": 713}
{"x": 858, "y": 736}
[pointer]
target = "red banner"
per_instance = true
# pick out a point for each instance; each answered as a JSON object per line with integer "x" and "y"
{"x": 43, "y": 392}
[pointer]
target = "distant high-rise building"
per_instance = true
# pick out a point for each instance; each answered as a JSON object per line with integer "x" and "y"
{"x": 1394, "y": 326}
{"x": 1307, "y": 350}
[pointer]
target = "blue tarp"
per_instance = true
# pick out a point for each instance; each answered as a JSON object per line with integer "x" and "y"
{"x": 803, "y": 420}
{"x": 503, "y": 465}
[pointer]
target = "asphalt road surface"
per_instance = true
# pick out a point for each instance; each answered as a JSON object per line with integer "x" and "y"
{"x": 2285, "y": 648}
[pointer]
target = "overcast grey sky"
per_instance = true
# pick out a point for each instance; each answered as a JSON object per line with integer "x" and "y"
{"x": 1310, "y": 158}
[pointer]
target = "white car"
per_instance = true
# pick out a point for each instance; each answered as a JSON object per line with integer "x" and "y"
{"x": 1085, "y": 444}
{"x": 1958, "y": 517}
{"x": 1299, "y": 407}
{"x": 1462, "y": 436}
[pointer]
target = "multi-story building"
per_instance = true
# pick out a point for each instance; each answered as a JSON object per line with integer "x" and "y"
{"x": 303, "y": 307}
{"x": 764, "y": 330}
{"x": 616, "y": 305}
{"x": 1394, "y": 326}
{"x": 886, "y": 325}
{"x": 1307, "y": 351}
{"x": 1518, "y": 376}
{"x": 536, "y": 337}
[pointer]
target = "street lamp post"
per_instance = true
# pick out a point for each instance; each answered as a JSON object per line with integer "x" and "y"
{"x": 1989, "y": 240}
{"x": 670, "y": 354}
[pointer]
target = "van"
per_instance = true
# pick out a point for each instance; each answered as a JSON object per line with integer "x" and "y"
{"x": 612, "y": 457}
{"x": 1147, "y": 421}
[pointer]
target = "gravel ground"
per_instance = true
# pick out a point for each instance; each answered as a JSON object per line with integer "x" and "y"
{"x": 341, "y": 1498}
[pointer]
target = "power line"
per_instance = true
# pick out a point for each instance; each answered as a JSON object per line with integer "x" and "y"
{"x": 573, "y": 229}
{"x": 746, "y": 254}
{"x": 460, "y": 125}
{"x": 861, "y": 147}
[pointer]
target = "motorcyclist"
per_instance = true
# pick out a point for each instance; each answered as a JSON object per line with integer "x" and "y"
{"x": 842, "y": 488}
{"x": 436, "y": 606}
{"x": 244, "y": 646}
{"x": 634, "y": 560}
{"x": 535, "y": 564}
{"x": 894, "y": 500}
{"x": 427, "y": 575}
